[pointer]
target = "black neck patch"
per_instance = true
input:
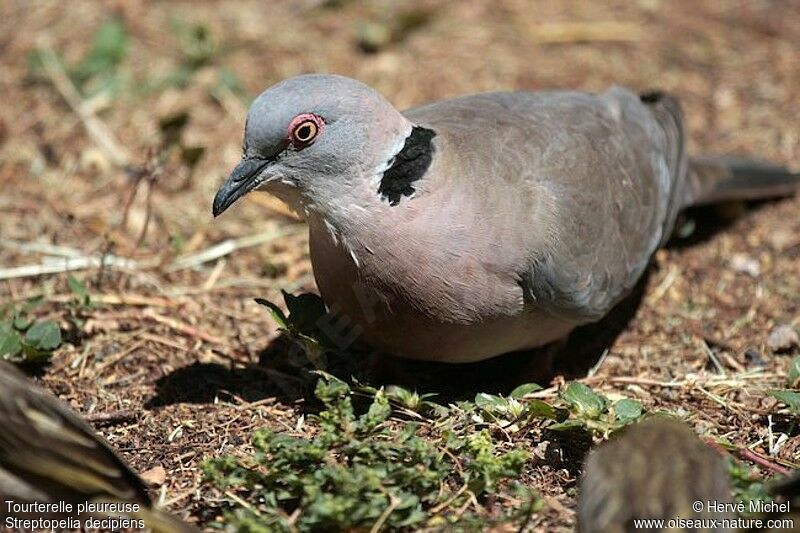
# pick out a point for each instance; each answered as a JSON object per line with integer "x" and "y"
{"x": 409, "y": 165}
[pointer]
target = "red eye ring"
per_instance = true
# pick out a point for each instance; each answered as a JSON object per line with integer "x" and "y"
{"x": 304, "y": 129}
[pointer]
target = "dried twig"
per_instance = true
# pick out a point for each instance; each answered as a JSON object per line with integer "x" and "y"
{"x": 180, "y": 327}
{"x": 67, "y": 265}
{"x": 214, "y": 276}
{"x": 181, "y": 263}
{"x": 227, "y": 247}
{"x": 41, "y": 248}
{"x": 111, "y": 418}
{"x": 394, "y": 502}
{"x": 126, "y": 299}
{"x": 584, "y": 32}
{"x": 734, "y": 381}
{"x": 147, "y": 175}
{"x": 752, "y": 456}
{"x": 672, "y": 274}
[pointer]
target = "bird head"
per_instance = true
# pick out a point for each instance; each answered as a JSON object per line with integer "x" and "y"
{"x": 316, "y": 141}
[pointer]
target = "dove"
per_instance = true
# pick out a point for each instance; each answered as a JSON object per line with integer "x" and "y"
{"x": 466, "y": 228}
{"x": 48, "y": 454}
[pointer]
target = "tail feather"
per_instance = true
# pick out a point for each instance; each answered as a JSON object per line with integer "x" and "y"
{"x": 723, "y": 179}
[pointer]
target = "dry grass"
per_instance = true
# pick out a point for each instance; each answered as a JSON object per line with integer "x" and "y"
{"x": 171, "y": 350}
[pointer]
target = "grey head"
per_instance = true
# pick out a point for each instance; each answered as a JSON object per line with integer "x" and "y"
{"x": 319, "y": 142}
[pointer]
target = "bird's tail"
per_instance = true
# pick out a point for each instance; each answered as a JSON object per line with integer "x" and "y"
{"x": 723, "y": 179}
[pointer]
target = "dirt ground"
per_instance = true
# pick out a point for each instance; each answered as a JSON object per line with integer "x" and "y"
{"x": 166, "y": 363}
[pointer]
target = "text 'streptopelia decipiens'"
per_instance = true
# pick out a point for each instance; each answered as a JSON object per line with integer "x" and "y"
{"x": 471, "y": 227}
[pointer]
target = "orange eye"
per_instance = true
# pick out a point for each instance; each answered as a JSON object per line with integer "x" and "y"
{"x": 305, "y": 132}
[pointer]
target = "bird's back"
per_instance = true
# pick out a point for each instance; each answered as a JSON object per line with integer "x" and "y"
{"x": 579, "y": 189}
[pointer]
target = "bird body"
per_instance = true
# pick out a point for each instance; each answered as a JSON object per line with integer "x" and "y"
{"x": 470, "y": 227}
{"x": 501, "y": 248}
{"x": 657, "y": 469}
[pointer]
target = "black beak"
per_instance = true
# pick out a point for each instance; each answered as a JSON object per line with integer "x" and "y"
{"x": 242, "y": 180}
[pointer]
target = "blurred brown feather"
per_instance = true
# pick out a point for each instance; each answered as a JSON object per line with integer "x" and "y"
{"x": 655, "y": 469}
{"x": 49, "y": 454}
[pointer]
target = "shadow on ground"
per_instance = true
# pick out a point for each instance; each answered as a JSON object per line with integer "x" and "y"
{"x": 285, "y": 371}
{"x": 206, "y": 382}
{"x": 703, "y": 223}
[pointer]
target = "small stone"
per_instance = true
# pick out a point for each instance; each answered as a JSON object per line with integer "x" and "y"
{"x": 745, "y": 264}
{"x": 783, "y": 339}
{"x": 155, "y": 477}
{"x": 753, "y": 357}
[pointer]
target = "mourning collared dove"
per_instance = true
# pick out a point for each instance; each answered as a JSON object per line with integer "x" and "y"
{"x": 471, "y": 227}
{"x": 48, "y": 454}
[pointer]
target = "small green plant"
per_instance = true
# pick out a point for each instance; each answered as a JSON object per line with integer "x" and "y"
{"x": 197, "y": 44}
{"x": 305, "y": 314}
{"x": 579, "y": 407}
{"x": 78, "y": 307}
{"x": 746, "y": 487}
{"x": 594, "y": 412}
{"x": 98, "y": 70}
{"x": 395, "y": 458}
{"x": 368, "y": 469}
{"x": 24, "y": 339}
{"x": 793, "y": 375}
{"x": 81, "y": 293}
{"x": 788, "y": 397}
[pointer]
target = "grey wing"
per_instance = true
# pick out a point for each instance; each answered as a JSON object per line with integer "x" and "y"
{"x": 618, "y": 173}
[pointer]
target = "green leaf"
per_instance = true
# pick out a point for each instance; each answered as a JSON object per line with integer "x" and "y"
{"x": 793, "y": 375}
{"x": 10, "y": 345}
{"x": 490, "y": 401}
{"x": 378, "y": 412}
{"x": 44, "y": 336}
{"x": 746, "y": 486}
{"x": 79, "y": 290}
{"x": 305, "y": 310}
{"x": 275, "y": 312}
{"x": 32, "y": 304}
{"x": 524, "y": 389}
{"x": 541, "y": 409}
{"x": 33, "y": 355}
{"x": 408, "y": 399}
{"x": 584, "y": 400}
{"x": 627, "y": 410}
{"x": 22, "y": 322}
{"x": 109, "y": 47}
{"x": 788, "y": 397}
{"x": 330, "y": 389}
{"x": 111, "y": 41}
{"x": 568, "y": 425}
